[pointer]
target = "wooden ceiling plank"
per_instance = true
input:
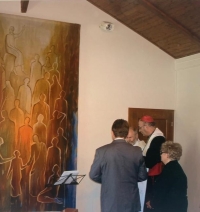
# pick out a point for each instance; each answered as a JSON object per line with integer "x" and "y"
{"x": 24, "y": 5}
{"x": 176, "y": 48}
{"x": 117, "y": 8}
{"x": 126, "y": 7}
{"x": 167, "y": 18}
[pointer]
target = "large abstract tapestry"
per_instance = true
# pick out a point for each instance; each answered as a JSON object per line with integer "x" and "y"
{"x": 39, "y": 62}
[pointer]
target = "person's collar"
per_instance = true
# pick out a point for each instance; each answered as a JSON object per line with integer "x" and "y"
{"x": 118, "y": 138}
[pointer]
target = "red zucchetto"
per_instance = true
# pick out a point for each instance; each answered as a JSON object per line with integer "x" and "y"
{"x": 147, "y": 119}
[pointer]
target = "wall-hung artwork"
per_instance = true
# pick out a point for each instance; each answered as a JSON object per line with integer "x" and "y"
{"x": 39, "y": 63}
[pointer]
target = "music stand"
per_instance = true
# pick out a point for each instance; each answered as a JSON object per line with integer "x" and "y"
{"x": 69, "y": 178}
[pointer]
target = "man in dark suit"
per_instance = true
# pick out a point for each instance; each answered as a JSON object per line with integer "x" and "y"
{"x": 118, "y": 166}
{"x": 151, "y": 153}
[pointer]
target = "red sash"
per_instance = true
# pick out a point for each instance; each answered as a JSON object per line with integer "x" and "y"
{"x": 156, "y": 170}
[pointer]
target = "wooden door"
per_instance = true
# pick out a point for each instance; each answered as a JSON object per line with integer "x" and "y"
{"x": 164, "y": 120}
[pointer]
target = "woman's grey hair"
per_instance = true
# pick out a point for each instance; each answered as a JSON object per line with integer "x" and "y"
{"x": 173, "y": 149}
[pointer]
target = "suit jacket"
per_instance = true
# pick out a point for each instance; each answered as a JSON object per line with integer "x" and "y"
{"x": 170, "y": 191}
{"x": 118, "y": 167}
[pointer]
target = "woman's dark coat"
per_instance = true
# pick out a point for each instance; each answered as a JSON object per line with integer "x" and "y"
{"x": 170, "y": 193}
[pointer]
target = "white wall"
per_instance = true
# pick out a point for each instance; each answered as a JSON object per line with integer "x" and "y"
{"x": 118, "y": 70}
{"x": 187, "y": 123}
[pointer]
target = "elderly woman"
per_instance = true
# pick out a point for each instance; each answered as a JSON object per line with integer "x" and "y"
{"x": 170, "y": 193}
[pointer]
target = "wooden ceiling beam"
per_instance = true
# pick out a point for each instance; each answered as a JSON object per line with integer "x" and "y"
{"x": 167, "y": 18}
{"x": 24, "y": 5}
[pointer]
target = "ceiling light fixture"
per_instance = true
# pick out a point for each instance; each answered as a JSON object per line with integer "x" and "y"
{"x": 107, "y": 26}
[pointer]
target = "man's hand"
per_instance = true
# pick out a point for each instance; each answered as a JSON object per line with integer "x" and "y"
{"x": 148, "y": 204}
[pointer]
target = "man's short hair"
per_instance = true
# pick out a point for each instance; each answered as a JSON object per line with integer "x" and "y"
{"x": 120, "y": 128}
{"x": 153, "y": 124}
